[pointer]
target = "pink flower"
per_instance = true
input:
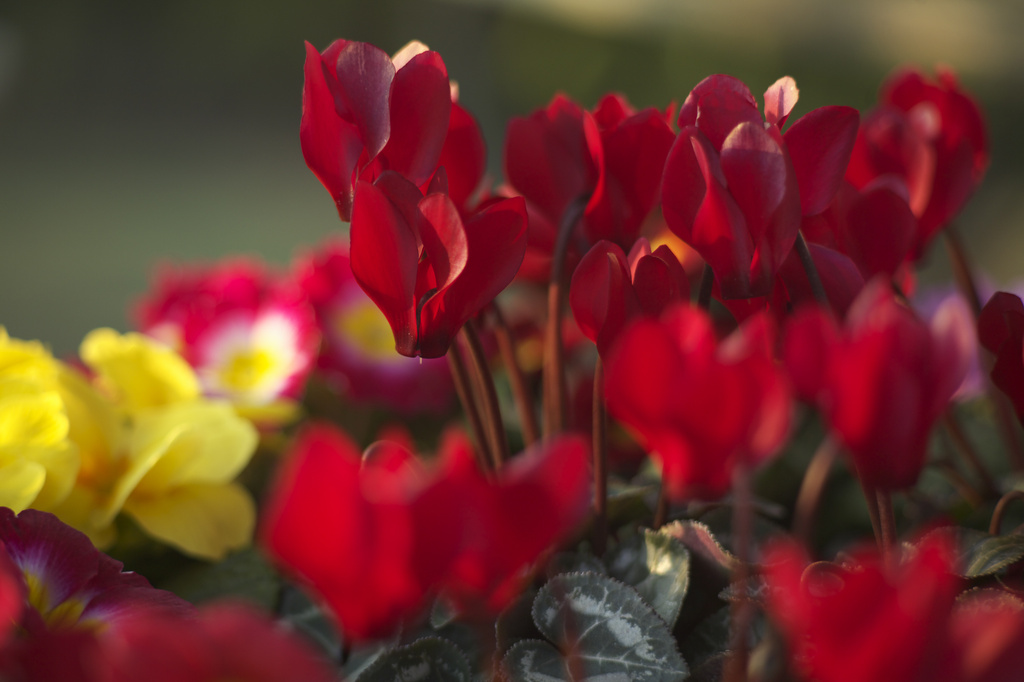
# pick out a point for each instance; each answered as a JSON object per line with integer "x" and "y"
{"x": 250, "y": 335}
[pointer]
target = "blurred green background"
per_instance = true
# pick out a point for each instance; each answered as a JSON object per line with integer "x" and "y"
{"x": 132, "y": 133}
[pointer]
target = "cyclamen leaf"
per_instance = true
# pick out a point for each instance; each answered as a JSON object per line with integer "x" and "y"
{"x": 657, "y": 565}
{"x": 699, "y": 539}
{"x": 532, "y": 660}
{"x": 615, "y": 634}
{"x": 430, "y": 659}
{"x": 980, "y": 554}
{"x": 302, "y": 614}
{"x": 245, "y": 574}
{"x": 993, "y": 554}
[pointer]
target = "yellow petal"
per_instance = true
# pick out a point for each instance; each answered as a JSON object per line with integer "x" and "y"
{"x": 35, "y": 418}
{"x": 205, "y": 521}
{"x": 212, "y": 446}
{"x": 29, "y": 359}
{"x": 60, "y": 462}
{"x": 137, "y": 371}
{"x": 20, "y": 482}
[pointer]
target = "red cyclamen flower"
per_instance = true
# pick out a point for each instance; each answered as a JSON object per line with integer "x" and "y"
{"x": 357, "y": 356}
{"x": 364, "y": 112}
{"x": 608, "y": 290}
{"x": 425, "y": 266}
{"x": 735, "y": 187}
{"x": 1001, "y": 331}
{"x": 699, "y": 405}
{"x": 891, "y": 624}
{"x": 931, "y": 136}
{"x": 882, "y": 381}
{"x": 376, "y": 538}
{"x": 609, "y": 159}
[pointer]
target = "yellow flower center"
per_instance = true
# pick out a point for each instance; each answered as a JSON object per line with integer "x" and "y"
{"x": 366, "y": 328}
{"x": 61, "y": 616}
{"x": 248, "y": 369}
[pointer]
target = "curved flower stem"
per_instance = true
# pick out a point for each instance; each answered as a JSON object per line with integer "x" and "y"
{"x": 817, "y": 288}
{"x": 962, "y": 272}
{"x": 506, "y": 346}
{"x": 464, "y": 391}
{"x": 887, "y": 522}
{"x": 812, "y": 488}
{"x": 554, "y": 354}
{"x": 495, "y": 428}
{"x": 600, "y": 447}
{"x": 742, "y": 608}
{"x": 871, "y": 498}
{"x": 997, "y": 516}
{"x": 707, "y": 281}
{"x": 967, "y": 451}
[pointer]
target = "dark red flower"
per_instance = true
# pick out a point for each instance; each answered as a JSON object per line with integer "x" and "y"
{"x": 426, "y": 267}
{"x": 225, "y": 642}
{"x": 357, "y": 356}
{"x": 608, "y": 290}
{"x": 882, "y": 381}
{"x": 866, "y": 623}
{"x": 932, "y": 137}
{"x": 376, "y": 539}
{"x": 364, "y": 112}
{"x": 610, "y": 159}
{"x": 1001, "y": 331}
{"x": 699, "y": 405}
{"x": 735, "y": 188}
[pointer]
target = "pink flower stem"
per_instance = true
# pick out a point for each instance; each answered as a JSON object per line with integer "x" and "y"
{"x": 812, "y": 488}
{"x": 463, "y": 389}
{"x": 555, "y": 389}
{"x": 524, "y": 405}
{"x": 600, "y": 447}
{"x": 494, "y": 427}
{"x": 996, "y": 523}
{"x": 817, "y": 288}
{"x": 887, "y": 522}
{"x": 742, "y": 608}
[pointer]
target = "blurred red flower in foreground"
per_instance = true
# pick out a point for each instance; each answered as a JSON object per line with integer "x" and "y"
{"x": 376, "y": 537}
{"x": 868, "y": 622}
{"x": 357, "y": 356}
{"x": 882, "y": 381}
{"x": 699, "y": 405}
{"x": 929, "y": 135}
{"x": 224, "y": 642}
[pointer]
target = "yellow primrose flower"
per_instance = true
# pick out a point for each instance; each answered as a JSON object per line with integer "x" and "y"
{"x": 38, "y": 463}
{"x": 151, "y": 446}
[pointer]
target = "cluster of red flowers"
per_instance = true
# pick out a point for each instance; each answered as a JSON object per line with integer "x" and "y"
{"x": 798, "y": 243}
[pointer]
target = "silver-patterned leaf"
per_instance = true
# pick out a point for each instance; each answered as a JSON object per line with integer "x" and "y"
{"x": 532, "y": 660}
{"x": 430, "y": 659}
{"x": 614, "y": 633}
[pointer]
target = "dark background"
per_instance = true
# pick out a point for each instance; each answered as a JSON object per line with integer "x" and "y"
{"x": 132, "y": 133}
